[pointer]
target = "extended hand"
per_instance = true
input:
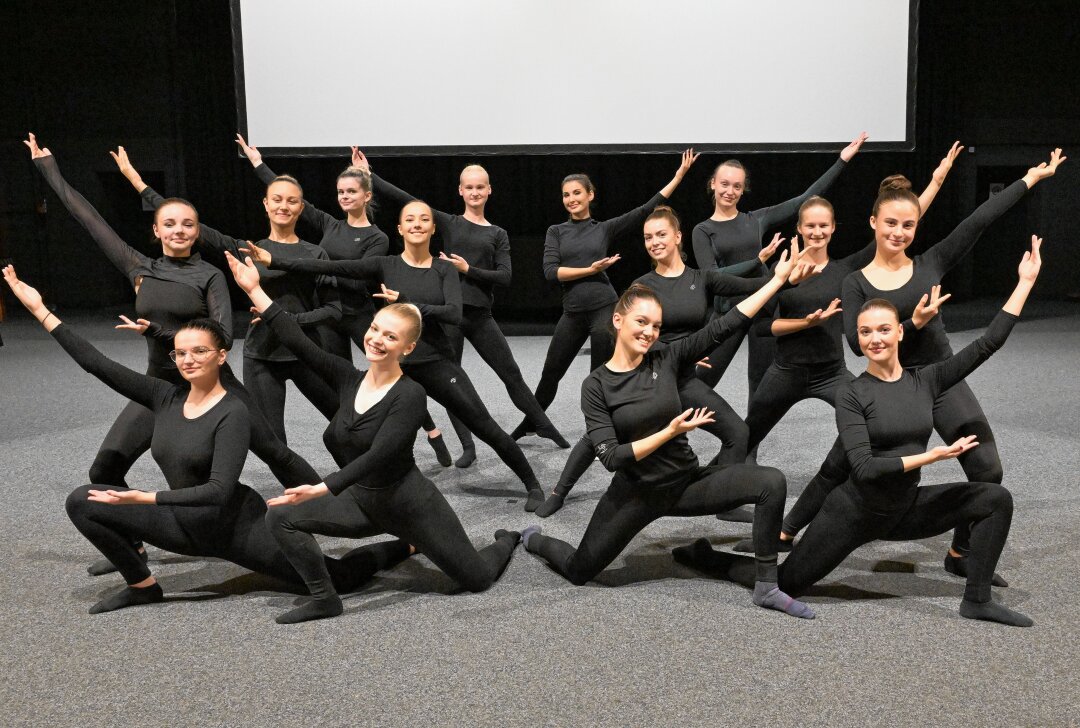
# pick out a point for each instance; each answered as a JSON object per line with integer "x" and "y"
{"x": 1031, "y": 264}
{"x": 122, "y": 497}
{"x": 688, "y": 159}
{"x": 245, "y": 273}
{"x": 852, "y": 149}
{"x": 928, "y": 309}
{"x": 1044, "y": 170}
{"x": 360, "y": 161}
{"x": 768, "y": 250}
{"x": 259, "y": 255}
{"x": 35, "y": 150}
{"x": 139, "y": 326}
{"x": 604, "y": 263}
{"x": 27, "y": 295}
{"x": 388, "y": 294}
{"x": 958, "y": 448}
{"x": 820, "y": 316}
{"x": 691, "y": 419}
{"x": 252, "y": 153}
{"x": 946, "y": 164}
{"x": 299, "y": 494}
{"x": 457, "y": 261}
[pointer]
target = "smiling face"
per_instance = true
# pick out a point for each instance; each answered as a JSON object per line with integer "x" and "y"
{"x": 576, "y": 199}
{"x": 416, "y": 224}
{"x": 816, "y": 226}
{"x": 639, "y": 328}
{"x": 197, "y": 355}
{"x": 662, "y": 242}
{"x": 177, "y": 227}
{"x": 389, "y": 338}
{"x": 727, "y": 185}
{"x": 283, "y": 202}
{"x": 894, "y": 225}
{"x": 880, "y": 334}
{"x": 474, "y": 186}
{"x": 351, "y": 195}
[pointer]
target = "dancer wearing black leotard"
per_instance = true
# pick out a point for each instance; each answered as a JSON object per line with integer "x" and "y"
{"x": 312, "y": 299}
{"x": 480, "y": 252}
{"x": 686, "y": 296}
{"x": 432, "y": 284}
{"x": 169, "y": 291}
{"x": 885, "y": 417}
{"x": 378, "y": 489}
{"x": 200, "y": 441}
{"x": 632, "y": 411}
{"x": 909, "y": 284}
{"x": 576, "y": 255}
{"x": 732, "y": 236}
{"x": 809, "y": 334}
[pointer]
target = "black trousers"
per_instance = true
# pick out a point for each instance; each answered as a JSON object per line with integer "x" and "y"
{"x": 762, "y": 352}
{"x": 337, "y": 335}
{"x": 413, "y": 510}
{"x": 131, "y": 433}
{"x": 449, "y": 385}
{"x": 478, "y": 326}
{"x": 627, "y": 508}
{"x": 266, "y": 382}
{"x": 844, "y": 524}
{"x": 236, "y": 533}
{"x": 572, "y": 330}
{"x": 782, "y": 387}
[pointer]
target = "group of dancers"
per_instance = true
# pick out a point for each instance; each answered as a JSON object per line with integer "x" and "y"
{"x": 657, "y": 352}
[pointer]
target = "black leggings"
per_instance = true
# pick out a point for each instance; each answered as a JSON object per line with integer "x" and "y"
{"x": 626, "y": 508}
{"x": 449, "y": 385}
{"x": 478, "y": 326}
{"x": 844, "y": 524}
{"x": 413, "y": 510}
{"x": 266, "y": 382}
{"x": 335, "y": 336}
{"x": 956, "y": 413}
{"x": 236, "y": 533}
{"x": 572, "y": 330}
{"x": 762, "y": 352}
{"x": 728, "y": 427}
{"x": 130, "y": 435}
{"x": 783, "y": 387}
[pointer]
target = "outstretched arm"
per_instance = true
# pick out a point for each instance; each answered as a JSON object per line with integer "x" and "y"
{"x": 938, "y": 178}
{"x": 773, "y": 216}
{"x": 126, "y": 259}
{"x": 147, "y": 391}
{"x": 636, "y": 217}
{"x": 312, "y": 215}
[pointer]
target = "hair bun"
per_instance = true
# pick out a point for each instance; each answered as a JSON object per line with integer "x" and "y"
{"x": 894, "y": 182}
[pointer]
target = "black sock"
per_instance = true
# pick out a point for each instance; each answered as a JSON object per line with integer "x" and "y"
{"x": 957, "y": 566}
{"x": 991, "y": 611}
{"x": 468, "y": 456}
{"x": 441, "y": 453}
{"x": 129, "y": 596}
{"x": 523, "y": 429}
{"x": 551, "y": 433}
{"x": 535, "y": 500}
{"x": 104, "y": 566}
{"x": 503, "y": 533}
{"x": 315, "y": 609}
{"x": 550, "y": 506}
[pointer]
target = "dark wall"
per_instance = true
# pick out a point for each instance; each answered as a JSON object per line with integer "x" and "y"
{"x": 158, "y": 78}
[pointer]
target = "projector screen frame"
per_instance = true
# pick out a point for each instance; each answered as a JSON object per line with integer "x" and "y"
{"x": 907, "y": 145}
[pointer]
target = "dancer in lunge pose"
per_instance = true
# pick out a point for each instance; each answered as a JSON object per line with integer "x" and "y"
{"x": 200, "y": 441}
{"x": 378, "y": 488}
{"x": 885, "y": 417}
{"x": 636, "y": 420}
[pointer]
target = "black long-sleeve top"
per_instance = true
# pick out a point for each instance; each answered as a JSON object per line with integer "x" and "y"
{"x": 622, "y": 407}
{"x": 311, "y": 298}
{"x": 374, "y": 449}
{"x": 200, "y": 457}
{"x": 929, "y": 344}
{"x": 486, "y": 248}
{"x": 822, "y": 344}
{"x": 881, "y": 422}
{"x": 168, "y": 291}
{"x": 436, "y": 291}
{"x": 579, "y": 244}
{"x": 718, "y": 243}
{"x": 342, "y": 241}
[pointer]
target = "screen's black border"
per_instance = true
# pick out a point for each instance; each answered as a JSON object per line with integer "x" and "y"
{"x": 907, "y": 145}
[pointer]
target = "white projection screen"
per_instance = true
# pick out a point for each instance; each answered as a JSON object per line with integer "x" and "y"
{"x": 416, "y": 77}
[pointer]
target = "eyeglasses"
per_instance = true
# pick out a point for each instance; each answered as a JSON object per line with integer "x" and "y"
{"x": 199, "y": 354}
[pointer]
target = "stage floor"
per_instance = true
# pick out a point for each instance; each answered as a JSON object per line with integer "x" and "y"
{"x": 648, "y": 643}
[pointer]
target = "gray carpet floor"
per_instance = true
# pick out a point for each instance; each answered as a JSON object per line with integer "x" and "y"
{"x": 648, "y": 643}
